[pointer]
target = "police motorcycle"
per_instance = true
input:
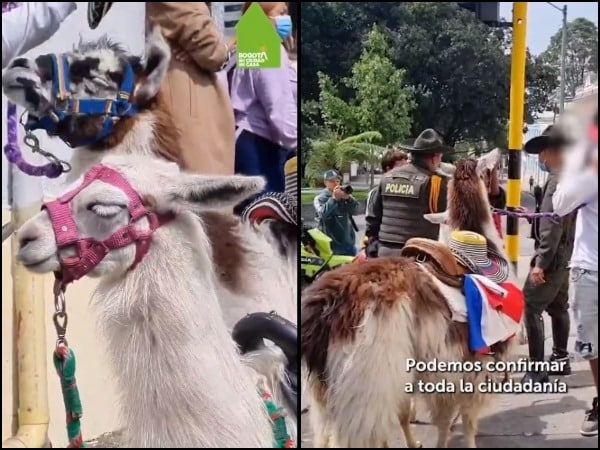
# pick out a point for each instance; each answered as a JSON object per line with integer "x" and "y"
{"x": 316, "y": 255}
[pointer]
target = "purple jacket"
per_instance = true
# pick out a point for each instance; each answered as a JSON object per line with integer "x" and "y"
{"x": 264, "y": 103}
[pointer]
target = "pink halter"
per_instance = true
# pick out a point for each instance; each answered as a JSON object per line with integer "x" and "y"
{"x": 91, "y": 252}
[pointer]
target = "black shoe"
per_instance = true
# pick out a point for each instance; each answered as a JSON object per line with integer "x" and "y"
{"x": 535, "y": 378}
{"x": 590, "y": 422}
{"x": 564, "y": 366}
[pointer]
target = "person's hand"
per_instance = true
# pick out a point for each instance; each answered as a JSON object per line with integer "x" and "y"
{"x": 338, "y": 194}
{"x": 537, "y": 276}
{"x": 180, "y": 55}
{"x": 232, "y": 43}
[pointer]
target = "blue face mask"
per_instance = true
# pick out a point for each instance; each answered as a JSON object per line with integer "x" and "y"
{"x": 283, "y": 25}
{"x": 542, "y": 166}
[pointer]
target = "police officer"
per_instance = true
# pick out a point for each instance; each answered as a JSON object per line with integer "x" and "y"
{"x": 405, "y": 195}
{"x": 547, "y": 286}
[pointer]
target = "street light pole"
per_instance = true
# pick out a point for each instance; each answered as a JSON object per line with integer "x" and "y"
{"x": 563, "y": 54}
{"x": 563, "y": 58}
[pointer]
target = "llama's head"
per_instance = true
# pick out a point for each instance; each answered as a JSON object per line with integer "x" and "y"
{"x": 89, "y": 95}
{"x": 468, "y": 207}
{"x": 105, "y": 224}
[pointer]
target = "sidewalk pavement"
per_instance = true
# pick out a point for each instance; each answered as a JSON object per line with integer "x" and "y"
{"x": 516, "y": 420}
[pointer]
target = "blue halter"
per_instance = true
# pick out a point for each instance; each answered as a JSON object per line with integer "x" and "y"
{"x": 66, "y": 106}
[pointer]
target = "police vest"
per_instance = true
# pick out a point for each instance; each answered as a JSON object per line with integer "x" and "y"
{"x": 408, "y": 193}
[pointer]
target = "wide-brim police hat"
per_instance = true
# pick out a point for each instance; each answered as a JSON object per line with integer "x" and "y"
{"x": 429, "y": 141}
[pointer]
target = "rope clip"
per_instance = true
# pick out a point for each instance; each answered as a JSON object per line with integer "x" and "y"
{"x": 31, "y": 141}
{"x": 60, "y": 317}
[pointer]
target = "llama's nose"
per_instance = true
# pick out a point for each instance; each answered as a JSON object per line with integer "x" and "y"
{"x": 26, "y": 237}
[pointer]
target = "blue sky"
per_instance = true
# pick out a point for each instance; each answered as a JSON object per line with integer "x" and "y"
{"x": 544, "y": 21}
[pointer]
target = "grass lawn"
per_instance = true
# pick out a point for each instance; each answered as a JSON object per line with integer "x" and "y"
{"x": 307, "y": 198}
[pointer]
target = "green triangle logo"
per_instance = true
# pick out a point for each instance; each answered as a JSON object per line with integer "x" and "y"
{"x": 259, "y": 45}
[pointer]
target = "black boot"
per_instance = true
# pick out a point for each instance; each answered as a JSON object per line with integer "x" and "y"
{"x": 564, "y": 366}
{"x": 561, "y": 326}
{"x": 534, "y": 323}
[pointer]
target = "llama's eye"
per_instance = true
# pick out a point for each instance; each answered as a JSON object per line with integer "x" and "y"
{"x": 106, "y": 210}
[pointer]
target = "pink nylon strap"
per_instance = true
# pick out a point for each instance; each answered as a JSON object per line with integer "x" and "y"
{"x": 90, "y": 252}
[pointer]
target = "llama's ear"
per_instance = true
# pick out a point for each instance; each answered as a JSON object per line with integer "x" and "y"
{"x": 200, "y": 192}
{"x": 437, "y": 218}
{"x": 157, "y": 56}
{"x": 488, "y": 161}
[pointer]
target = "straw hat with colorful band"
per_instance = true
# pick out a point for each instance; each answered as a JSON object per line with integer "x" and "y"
{"x": 277, "y": 205}
{"x": 272, "y": 205}
{"x": 472, "y": 251}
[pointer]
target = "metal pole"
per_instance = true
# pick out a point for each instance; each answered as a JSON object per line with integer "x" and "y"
{"x": 563, "y": 58}
{"x": 515, "y": 131}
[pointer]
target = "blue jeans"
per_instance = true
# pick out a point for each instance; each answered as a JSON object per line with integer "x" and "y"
{"x": 255, "y": 155}
{"x": 583, "y": 290}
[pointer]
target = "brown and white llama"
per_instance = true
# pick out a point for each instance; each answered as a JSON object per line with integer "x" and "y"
{"x": 257, "y": 264}
{"x": 362, "y": 323}
{"x": 182, "y": 384}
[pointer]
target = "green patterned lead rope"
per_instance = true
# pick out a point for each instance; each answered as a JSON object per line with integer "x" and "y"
{"x": 64, "y": 363}
{"x": 280, "y": 435}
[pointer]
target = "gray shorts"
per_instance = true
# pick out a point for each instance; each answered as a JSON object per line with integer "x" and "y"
{"x": 583, "y": 293}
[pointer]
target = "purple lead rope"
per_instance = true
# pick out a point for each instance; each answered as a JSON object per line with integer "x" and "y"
{"x": 14, "y": 156}
{"x": 11, "y": 149}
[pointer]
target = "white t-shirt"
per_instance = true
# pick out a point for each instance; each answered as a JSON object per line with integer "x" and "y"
{"x": 579, "y": 186}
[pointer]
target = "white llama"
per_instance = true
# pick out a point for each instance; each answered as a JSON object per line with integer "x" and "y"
{"x": 181, "y": 380}
{"x": 257, "y": 264}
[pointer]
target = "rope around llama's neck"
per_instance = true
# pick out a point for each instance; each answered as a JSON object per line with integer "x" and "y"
{"x": 281, "y": 438}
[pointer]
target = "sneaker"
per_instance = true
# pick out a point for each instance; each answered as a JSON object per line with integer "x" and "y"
{"x": 589, "y": 427}
{"x": 565, "y": 364}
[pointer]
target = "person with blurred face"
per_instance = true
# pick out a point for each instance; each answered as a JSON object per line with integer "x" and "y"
{"x": 546, "y": 288}
{"x": 577, "y": 190}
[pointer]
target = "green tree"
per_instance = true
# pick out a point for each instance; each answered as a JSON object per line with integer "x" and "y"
{"x": 380, "y": 99}
{"x": 459, "y": 68}
{"x": 581, "y": 52}
{"x": 541, "y": 83}
{"x": 332, "y": 151}
{"x": 541, "y": 80}
{"x": 330, "y": 31}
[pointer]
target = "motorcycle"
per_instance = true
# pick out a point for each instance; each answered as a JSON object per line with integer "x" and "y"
{"x": 316, "y": 256}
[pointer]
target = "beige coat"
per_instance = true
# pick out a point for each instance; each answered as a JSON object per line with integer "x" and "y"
{"x": 199, "y": 103}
